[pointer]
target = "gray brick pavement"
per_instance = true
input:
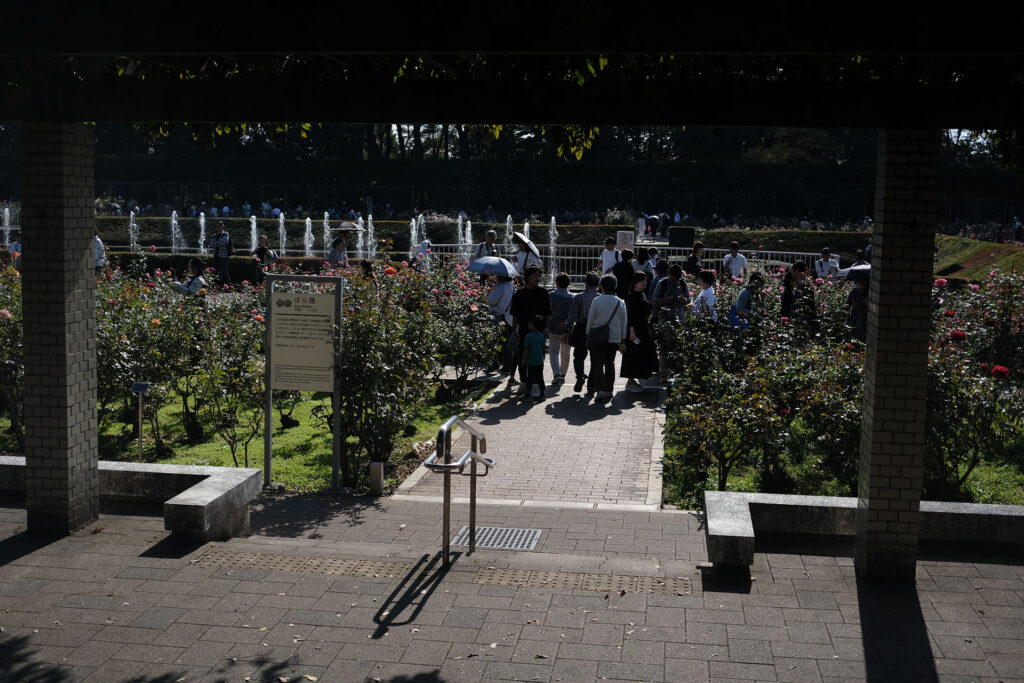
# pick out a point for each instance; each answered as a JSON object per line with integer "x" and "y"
{"x": 149, "y": 612}
{"x": 565, "y": 448}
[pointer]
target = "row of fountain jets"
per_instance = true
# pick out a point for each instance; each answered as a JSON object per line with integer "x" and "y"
{"x": 366, "y": 242}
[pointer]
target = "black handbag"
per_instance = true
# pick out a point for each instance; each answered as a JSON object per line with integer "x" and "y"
{"x": 599, "y": 334}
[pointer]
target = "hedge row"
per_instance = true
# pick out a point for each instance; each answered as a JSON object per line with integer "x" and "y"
{"x": 241, "y": 267}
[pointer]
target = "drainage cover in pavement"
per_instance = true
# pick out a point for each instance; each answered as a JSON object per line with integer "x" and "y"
{"x": 605, "y": 583}
{"x": 499, "y": 537}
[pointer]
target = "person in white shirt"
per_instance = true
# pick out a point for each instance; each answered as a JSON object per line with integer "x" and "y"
{"x": 610, "y": 256}
{"x": 704, "y": 304}
{"x": 606, "y": 310}
{"x": 735, "y": 264}
{"x": 826, "y": 265}
{"x": 99, "y": 253}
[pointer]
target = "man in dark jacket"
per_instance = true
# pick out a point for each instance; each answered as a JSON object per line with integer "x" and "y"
{"x": 623, "y": 272}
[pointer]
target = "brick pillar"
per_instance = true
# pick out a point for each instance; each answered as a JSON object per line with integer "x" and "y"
{"x": 896, "y": 368}
{"x": 59, "y": 297}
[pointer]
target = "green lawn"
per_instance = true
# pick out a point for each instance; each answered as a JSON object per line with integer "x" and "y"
{"x": 301, "y": 455}
{"x": 968, "y": 259}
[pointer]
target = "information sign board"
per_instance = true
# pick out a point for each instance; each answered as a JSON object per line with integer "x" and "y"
{"x": 301, "y": 341}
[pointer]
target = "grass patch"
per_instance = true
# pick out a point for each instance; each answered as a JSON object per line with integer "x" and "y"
{"x": 301, "y": 455}
{"x": 969, "y": 259}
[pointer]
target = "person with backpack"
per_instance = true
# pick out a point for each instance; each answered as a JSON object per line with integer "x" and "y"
{"x": 606, "y": 328}
{"x": 221, "y": 248}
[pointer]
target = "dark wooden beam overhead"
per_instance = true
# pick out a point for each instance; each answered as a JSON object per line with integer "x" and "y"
{"x": 655, "y": 103}
{"x": 159, "y": 27}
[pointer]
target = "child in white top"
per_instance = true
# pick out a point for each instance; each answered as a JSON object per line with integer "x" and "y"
{"x": 705, "y": 302}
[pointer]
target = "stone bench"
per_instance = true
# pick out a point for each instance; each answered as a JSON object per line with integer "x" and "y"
{"x": 732, "y": 520}
{"x": 200, "y": 503}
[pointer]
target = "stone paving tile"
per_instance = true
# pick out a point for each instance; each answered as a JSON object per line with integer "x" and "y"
{"x": 607, "y": 449}
{"x": 798, "y": 619}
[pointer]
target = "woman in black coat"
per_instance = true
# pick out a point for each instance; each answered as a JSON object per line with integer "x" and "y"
{"x": 640, "y": 359}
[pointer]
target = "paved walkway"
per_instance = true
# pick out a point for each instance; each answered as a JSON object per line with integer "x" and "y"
{"x": 350, "y": 590}
{"x": 565, "y": 449}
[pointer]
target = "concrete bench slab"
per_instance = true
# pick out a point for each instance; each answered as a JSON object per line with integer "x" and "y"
{"x": 732, "y": 521}
{"x": 200, "y": 503}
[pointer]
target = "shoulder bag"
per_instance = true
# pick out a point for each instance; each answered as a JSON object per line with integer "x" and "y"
{"x": 599, "y": 334}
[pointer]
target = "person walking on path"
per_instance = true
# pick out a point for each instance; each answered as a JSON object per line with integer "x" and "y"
{"x": 606, "y": 328}
{"x": 623, "y": 272}
{"x": 525, "y": 258}
{"x": 639, "y": 358}
{"x": 561, "y": 302}
{"x": 734, "y": 264}
{"x": 220, "y": 247}
{"x": 826, "y": 266}
{"x": 533, "y": 357}
{"x": 579, "y": 311}
{"x": 499, "y": 299}
{"x": 528, "y": 302}
{"x": 609, "y": 257}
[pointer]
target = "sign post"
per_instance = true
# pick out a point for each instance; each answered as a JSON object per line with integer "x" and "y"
{"x": 625, "y": 239}
{"x": 300, "y": 353}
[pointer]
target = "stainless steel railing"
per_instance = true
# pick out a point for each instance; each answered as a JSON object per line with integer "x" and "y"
{"x": 472, "y": 457}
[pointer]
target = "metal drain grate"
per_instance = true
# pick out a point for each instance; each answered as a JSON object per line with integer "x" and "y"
{"x": 605, "y": 583}
{"x": 219, "y": 557}
{"x": 499, "y": 537}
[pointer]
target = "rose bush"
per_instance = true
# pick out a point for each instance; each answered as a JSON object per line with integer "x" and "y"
{"x": 812, "y": 380}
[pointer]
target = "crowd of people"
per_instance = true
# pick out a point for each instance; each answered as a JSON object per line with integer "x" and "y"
{"x": 627, "y": 311}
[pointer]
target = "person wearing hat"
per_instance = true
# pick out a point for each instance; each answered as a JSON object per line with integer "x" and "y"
{"x": 826, "y": 265}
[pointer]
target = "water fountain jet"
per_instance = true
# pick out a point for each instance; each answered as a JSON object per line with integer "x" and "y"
{"x": 202, "y": 233}
{"x": 177, "y": 238}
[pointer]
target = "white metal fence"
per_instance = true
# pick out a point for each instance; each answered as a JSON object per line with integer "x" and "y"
{"x": 578, "y": 259}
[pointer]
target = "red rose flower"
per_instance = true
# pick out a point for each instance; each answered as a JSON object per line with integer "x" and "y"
{"x": 950, "y": 313}
{"x": 390, "y": 271}
{"x": 1001, "y": 372}
{"x": 957, "y": 336}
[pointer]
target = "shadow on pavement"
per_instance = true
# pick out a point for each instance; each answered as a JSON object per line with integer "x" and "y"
{"x": 411, "y": 594}
{"x": 17, "y": 664}
{"x": 292, "y": 516}
{"x": 894, "y": 633}
{"x": 171, "y": 548}
{"x": 725, "y": 580}
{"x": 21, "y": 544}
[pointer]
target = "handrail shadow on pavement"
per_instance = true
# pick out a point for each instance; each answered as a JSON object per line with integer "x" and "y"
{"x": 418, "y": 584}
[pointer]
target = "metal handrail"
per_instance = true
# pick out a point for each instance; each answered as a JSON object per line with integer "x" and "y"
{"x": 473, "y": 456}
